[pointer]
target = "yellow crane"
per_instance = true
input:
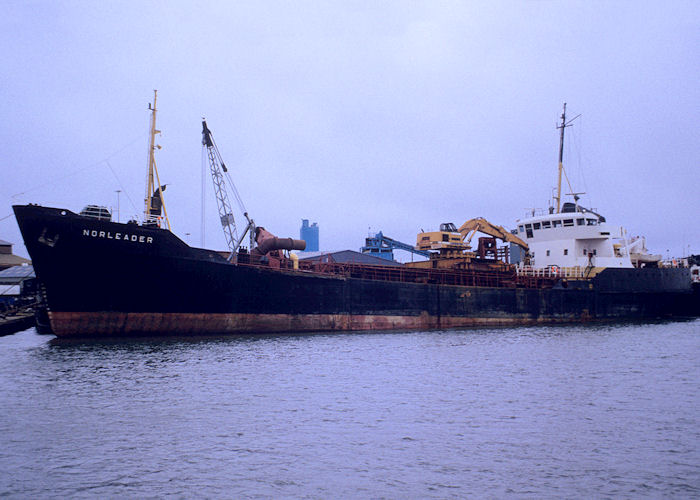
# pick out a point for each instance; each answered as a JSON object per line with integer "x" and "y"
{"x": 451, "y": 246}
{"x": 479, "y": 224}
{"x": 446, "y": 239}
{"x": 450, "y": 238}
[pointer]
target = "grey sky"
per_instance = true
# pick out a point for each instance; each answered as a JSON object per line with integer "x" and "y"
{"x": 393, "y": 116}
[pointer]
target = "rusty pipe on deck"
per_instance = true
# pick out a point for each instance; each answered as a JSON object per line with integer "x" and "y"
{"x": 268, "y": 242}
{"x": 280, "y": 244}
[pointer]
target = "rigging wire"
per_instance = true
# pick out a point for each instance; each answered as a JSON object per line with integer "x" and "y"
{"x": 576, "y": 144}
{"x": 227, "y": 176}
{"x": 236, "y": 195}
{"x": 203, "y": 200}
{"x": 569, "y": 146}
{"x": 121, "y": 185}
{"x": 566, "y": 176}
{"x": 583, "y": 170}
{"x": 218, "y": 169}
{"x": 75, "y": 172}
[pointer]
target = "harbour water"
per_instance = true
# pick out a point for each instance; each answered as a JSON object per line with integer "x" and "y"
{"x": 609, "y": 411}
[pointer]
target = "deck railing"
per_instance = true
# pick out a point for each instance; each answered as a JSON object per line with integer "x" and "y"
{"x": 576, "y": 272}
{"x": 498, "y": 278}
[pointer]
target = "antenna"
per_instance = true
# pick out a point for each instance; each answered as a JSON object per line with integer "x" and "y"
{"x": 576, "y": 197}
{"x": 118, "y": 207}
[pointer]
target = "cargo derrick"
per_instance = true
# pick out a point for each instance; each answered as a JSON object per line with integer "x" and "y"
{"x": 269, "y": 248}
{"x": 220, "y": 175}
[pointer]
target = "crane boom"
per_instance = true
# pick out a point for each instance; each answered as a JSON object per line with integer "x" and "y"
{"x": 219, "y": 175}
{"x": 479, "y": 224}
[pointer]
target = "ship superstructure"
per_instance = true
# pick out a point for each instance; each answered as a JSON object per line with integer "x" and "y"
{"x": 570, "y": 239}
{"x": 573, "y": 240}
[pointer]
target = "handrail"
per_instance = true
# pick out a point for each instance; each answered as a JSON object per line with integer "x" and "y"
{"x": 507, "y": 278}
{"x": 577, "y": 272}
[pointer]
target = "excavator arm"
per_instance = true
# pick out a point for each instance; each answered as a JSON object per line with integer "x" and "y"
{"x": 479, "y": 224}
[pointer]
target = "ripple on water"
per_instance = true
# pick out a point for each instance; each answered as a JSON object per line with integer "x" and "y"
{"x": 528, "y": 412}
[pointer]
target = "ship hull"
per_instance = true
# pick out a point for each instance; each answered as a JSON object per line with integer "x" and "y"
{"x": 101, "y": 278}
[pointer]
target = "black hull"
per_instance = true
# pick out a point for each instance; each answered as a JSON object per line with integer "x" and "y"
{"x": 105, "y": 278}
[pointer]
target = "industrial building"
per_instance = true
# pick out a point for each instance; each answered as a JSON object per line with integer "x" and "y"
{"x": 7, "y": 258}
{"x": 309, "y": 233}
{"x": 348, "y": 257}
{"x": 16, "y": 282}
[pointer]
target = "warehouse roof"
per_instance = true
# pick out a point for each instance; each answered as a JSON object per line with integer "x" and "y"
{"x": 16, "y": 274}
{"x": 348, "y": 257}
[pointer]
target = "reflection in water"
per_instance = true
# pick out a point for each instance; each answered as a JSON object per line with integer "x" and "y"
{"x": 542, "y": 411}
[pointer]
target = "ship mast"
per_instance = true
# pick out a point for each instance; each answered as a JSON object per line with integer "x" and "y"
{"x": 154, "y": 190}
{"x": 561, "y": 127}
{"x": 561, "y": 157}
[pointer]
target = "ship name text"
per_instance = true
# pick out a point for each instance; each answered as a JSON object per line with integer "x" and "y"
{"x": 117, "y": 236}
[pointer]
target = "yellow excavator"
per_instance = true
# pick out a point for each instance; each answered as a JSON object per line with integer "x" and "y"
{"x": 447, "y": 239}
{"x": 454, "y": 245}
{"x": 479, "y": 224}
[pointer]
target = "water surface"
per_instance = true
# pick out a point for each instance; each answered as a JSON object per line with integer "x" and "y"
{"x": 570, "y": 411}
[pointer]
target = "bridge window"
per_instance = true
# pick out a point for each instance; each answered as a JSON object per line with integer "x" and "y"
{"x": 521, "y": 229}
{"x": 546, "y": 224}
{"x": 591, "y": 222}
{"x": 535, "y": 226}
{"x": 528, "y": 230}
{"x": 580, "y": 222}
{"x": 556, "y": 223}
{"x": 566, "y": 251}
{"x": 568, "y": 222}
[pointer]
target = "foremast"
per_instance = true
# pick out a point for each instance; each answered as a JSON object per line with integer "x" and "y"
{"x": 154, "y": 201}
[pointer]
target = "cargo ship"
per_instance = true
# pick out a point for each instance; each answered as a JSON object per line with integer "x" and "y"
{"x": 100, "y": 277}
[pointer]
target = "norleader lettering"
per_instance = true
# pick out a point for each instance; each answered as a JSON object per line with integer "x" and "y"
{"x": 135, "y": 238}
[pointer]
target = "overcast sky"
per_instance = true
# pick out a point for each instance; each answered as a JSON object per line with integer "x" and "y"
{"x": 361, "y": 116}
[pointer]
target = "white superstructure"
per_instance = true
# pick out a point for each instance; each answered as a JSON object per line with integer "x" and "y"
{"x": 569, "y": 238}
{"x": 573, "y": 238}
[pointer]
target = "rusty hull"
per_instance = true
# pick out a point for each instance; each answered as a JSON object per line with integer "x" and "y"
{"x": 77, "y": 324}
